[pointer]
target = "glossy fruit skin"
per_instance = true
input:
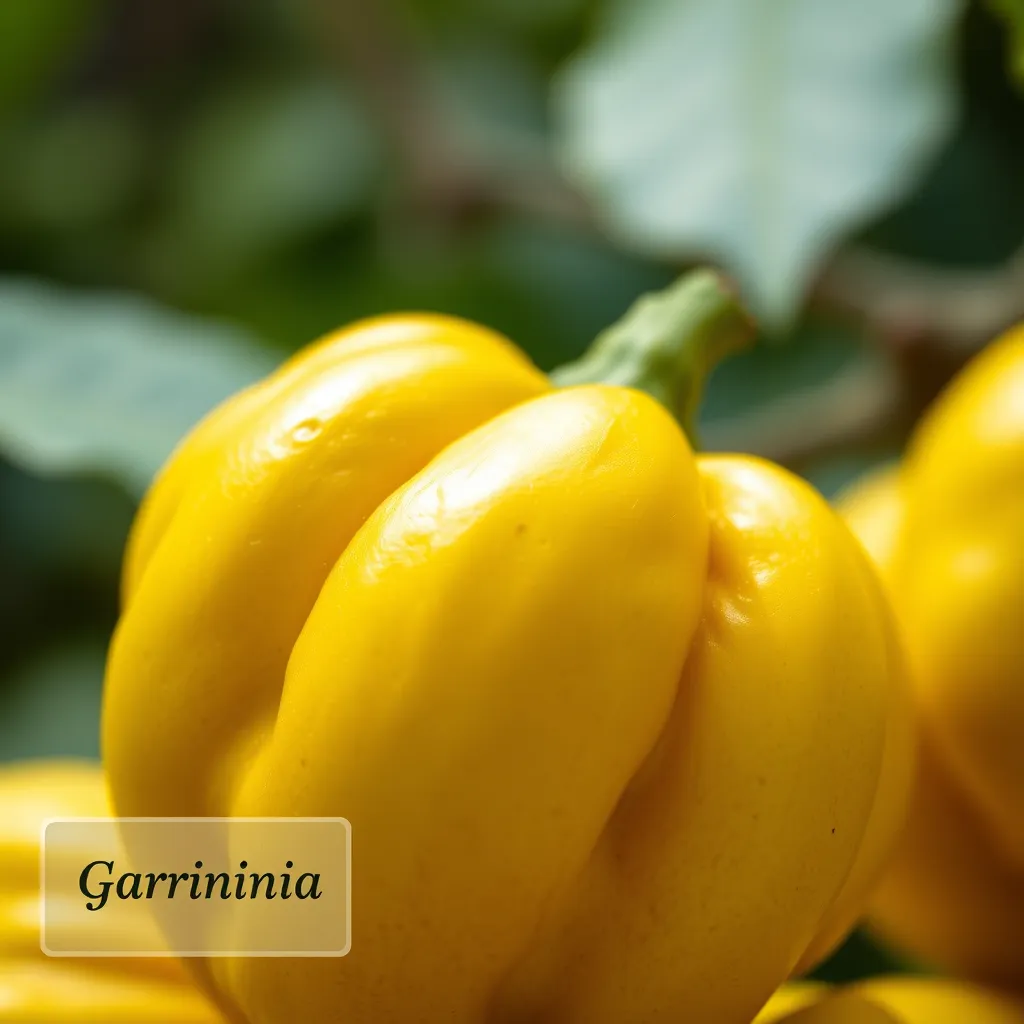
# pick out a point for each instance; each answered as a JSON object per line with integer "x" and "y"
{"x": 614, "y": 726}
{"x": 36, "y": 989}
{"x": 895, "y": 1000}
{"x": 946, "y": 529}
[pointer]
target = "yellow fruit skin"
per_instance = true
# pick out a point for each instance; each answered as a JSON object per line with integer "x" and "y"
{"x": 946, "y": 529}
{"x": 36, "y": 989}
{"x": 612, "y": 724}
{"x": 889, "y": 813}
{"x": 895, "y": 1000}
{"x": 961, "y": 566}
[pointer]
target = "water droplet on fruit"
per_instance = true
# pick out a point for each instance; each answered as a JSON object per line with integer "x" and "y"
{"x": 306, "y": 431}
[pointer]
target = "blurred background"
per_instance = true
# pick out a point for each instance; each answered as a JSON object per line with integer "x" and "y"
{"x": 192, "y": 189}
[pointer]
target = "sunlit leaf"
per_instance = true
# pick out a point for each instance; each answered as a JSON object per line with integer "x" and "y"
{"x": 756, "y": 132}
{"x": 109, "y": 383}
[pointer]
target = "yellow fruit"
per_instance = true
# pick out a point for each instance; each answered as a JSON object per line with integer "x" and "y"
{"x": 946, "y": 529}
{"x": 896, "y": 1000}
{"x": 618, "y": 729}
{"x": 36, "y": 989}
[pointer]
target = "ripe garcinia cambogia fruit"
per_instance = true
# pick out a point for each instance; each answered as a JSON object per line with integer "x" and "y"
{"x": 35, "y": 989}
{"x": 620, "y": 730}
{"x": 946, "y": 529}
{"x": 895, "y": 1000}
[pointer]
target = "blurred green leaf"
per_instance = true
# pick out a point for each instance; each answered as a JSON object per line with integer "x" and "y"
{"x": 75, "y": 167}
{"x": 779, "y": 401}
{"x": 771, "y": 379}
{"x": 51, "y": 707}
{"x": 861, "y": 956}
{"x": 1013, "y": 12}
{"x": 264, "y": 165}
{"x": 765, "y": 373}
{"x": 109, "y": 383}
{"x": 531, "y": 14}
{"x": 547, "y": 287}
{"x": 35, "y": 37}
{"x": 76, "y": 526}
{"x": 552, "y": 290}
{"x": 969, "y": 211}
{"x": 756, "y": 133}
{"x": 522, "y": 16}
{"x": 496, "y": 94}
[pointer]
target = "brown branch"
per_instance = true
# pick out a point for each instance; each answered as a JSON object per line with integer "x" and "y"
{"x": 926, "y": 322}
{"x": 377, "y": 48}
{"x": 445, "y": 176}
{"x": 908, "y": 303}
{"x": 848, "y": 410}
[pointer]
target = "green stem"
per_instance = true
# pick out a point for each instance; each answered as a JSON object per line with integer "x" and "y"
{"x": 666, "y": 345}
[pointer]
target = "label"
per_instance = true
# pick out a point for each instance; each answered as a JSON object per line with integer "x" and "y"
{"x": 196, "y": 887}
